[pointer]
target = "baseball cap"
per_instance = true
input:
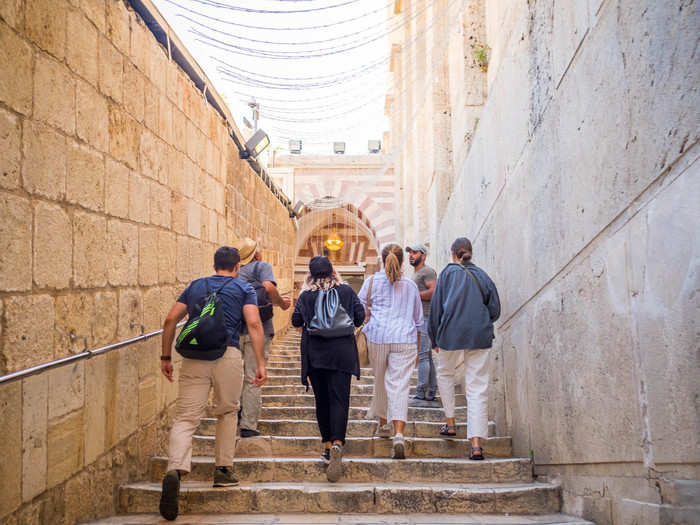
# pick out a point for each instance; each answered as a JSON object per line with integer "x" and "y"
{"x": 417, "y": 248}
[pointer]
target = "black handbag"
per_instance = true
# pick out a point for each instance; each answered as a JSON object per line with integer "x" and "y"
{"x": 330, "y": 318}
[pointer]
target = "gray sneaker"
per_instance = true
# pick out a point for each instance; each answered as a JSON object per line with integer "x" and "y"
{"x": 383, "y": 431}
{"x": 398, "y": 447}
{"x": 224, "y": 478}
{"x": 335, "y": 467}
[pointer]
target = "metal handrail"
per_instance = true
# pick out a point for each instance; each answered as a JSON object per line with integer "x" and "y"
{"x": 87, "y": 354}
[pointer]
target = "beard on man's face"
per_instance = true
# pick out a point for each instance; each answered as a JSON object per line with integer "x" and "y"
{"x": 416, "y": 261}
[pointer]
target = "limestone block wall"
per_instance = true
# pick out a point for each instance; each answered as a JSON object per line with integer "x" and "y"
{"x": 118, "y": 180}
{"x": 579, "y": 191}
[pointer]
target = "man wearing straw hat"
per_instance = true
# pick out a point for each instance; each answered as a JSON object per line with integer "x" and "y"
{"x": 258, "y": 273}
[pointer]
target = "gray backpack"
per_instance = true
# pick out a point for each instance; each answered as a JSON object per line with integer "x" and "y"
{"x": 330, "y": 318}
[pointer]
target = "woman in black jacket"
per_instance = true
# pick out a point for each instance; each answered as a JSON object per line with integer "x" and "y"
{"x": 329, "y": 363}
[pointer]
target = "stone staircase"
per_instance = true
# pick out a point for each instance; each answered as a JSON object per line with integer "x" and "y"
{"x": 281, "y": 471}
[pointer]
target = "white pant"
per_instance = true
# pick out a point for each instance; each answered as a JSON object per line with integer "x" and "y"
{"x": 476, "y": 378}
{"x": 392, "y": 365}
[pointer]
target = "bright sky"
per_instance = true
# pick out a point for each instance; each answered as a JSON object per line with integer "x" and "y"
{"x": 323, "y": 83}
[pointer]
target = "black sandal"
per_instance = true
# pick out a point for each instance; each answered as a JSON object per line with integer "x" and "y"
{"x": 477, "y": 454}
{"x": 448, "y": 431}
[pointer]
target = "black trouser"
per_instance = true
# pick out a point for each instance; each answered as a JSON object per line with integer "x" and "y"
{"x": 332, "y": 393}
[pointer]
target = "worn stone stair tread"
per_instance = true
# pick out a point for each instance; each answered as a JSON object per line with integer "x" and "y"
{"x": 348, "y": 519}
{"x": 361, "y": 469}
{"x": 384, "y": 497}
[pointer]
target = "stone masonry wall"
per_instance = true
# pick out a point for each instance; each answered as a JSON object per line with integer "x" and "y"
{"x": 579, "y": 189}
{"x": 117, "y": 183}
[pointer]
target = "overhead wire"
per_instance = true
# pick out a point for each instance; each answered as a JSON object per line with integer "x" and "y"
{"x": 221, "y": 5}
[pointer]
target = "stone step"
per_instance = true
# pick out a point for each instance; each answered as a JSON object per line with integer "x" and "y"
{"x": 310, "y": 446}
{"x": 348, "y": 519}
{"x": 356, "y": 428}
{"x": 414, "y": 413}
{"x": 356, "y": 400}
{"x": 294, "y": 379}
{"x": 384, "y": 498}
{"x": 361, "y": 470}
{"x": 296, "y": 371}
{"x": 298, "y": 388}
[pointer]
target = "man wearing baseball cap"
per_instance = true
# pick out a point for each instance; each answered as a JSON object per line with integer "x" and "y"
{"x": 258, "y": 273}
{"x": 425, "y": 277}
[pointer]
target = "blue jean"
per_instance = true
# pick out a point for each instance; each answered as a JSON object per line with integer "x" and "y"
{"x": 427, "y": 381}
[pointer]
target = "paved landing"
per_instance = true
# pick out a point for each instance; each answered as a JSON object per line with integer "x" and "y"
{"x": 346, "y": 519}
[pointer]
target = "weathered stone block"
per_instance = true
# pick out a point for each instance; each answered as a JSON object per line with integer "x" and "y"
{"x": 161, "y": 200}
{"x": 148, "y": 256}
{"x": 92, "y": 117}
{"x": 44, "y": 168}
{"x": 54, "y": 94}
{"x": 10, "y": 152}
{"x": 89, "y": 245}
{"x": 45, "y": 22}
{"x": 117, "y": 189}
{"x": 130, "y": 313}
{"x": 149, "y": 154}
{"x": 150, "y": 113}
{"x": 81, "y": 47}
{"x": 152, "y": 307}
{"x": 11, "y": 12}
{"x": 66, "y": 389}
{"x": 73, "y": 323}
{"x": 179, "y": 128}
{"x": 183, "y": 263}
{"x": 124, "y": 137}
{"x": 104, "y": 320}
{"x": 122, "y": 242}
{"x": 117, "y": 21}
{"x": 65, "y": 448}
{"x": 179, "y": 213}
{"x": 167, "y": 252}
{"x": 134, "y": 94}
{"x": 127, "y": 392}
{"x": 53, "y": 246}
{"x": 35, "y": 396}
{"x": 94, "y": 411}
{"x": 16, "y": 238}
{"x": 86, "y": 177}
{"x": 11, "y": 447}
{"x": 194, "y": 226}
{"x": 28, "y": 336}
{"x": 111, "y": 75}
{"x": 95, "y": 11}
{"x": 139, "y": 198}
{"x": 148, "y": 400}
{"x": 165, "y": 119}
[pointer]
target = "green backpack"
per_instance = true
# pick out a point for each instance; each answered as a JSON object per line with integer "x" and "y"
{"x": 205, "y": 336}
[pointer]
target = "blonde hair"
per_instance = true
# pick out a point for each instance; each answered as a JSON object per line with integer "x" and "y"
{"x": 392, "y": 258}
{"x": 321, "y": 283}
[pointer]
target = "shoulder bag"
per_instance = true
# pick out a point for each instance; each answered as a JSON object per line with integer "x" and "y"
{"x": 360, "y": 336}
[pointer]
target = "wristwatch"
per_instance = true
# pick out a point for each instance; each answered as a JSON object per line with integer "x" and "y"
{"x": 165, "y": 358}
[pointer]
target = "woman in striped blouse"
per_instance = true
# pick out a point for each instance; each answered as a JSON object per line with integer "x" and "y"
{"x": 395, "y": 313}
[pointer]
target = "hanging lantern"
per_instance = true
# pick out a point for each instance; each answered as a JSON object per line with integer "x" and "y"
{"x": 334, "y": 242}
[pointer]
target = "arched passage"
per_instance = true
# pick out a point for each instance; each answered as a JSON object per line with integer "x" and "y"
{"x": 357, "y": 257}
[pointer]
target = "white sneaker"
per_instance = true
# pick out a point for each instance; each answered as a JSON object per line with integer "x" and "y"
{"x": 383, "y": 431}
{"x": 398, "y": 447}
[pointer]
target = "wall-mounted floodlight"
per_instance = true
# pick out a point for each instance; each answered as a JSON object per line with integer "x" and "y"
{"x": 295, "y": 146}
{"x": 374, "y": 146}
{"x": 255, "y": 145}
{"x": 339, "y": 148}
{"x": 299, "y": 207}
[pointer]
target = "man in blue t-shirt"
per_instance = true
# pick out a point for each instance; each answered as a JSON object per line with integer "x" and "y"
{"x": 197, "y": 376}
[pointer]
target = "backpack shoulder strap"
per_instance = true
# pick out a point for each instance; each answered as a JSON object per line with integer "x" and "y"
{"x": 483, "y": 297}
{"x": 222, "y": 286}
{"x": 369, "y": 292}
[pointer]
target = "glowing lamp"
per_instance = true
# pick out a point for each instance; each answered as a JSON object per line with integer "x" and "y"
{"x": 334, "y": 242}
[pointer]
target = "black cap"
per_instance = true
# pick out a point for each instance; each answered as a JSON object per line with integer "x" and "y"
{"x": 320, "y": 266}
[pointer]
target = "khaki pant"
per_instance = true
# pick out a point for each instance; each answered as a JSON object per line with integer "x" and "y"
{"x": 225, "y": 375}
{"x": 250, "y": 396}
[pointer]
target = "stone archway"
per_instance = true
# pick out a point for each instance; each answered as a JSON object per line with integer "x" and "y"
{"x": 358, "y": 256}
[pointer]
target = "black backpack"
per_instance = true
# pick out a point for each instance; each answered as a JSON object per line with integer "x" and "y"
{"x": 205, "y": 336}
{"x": 330, "y": 318}
{"x": 264, "y": 304}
